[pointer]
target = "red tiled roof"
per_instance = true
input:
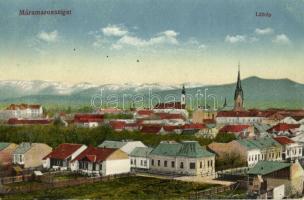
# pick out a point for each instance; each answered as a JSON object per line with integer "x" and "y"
{"x": 233, "y": 128}
{"x": 283, "y": 127}
{"x": 283, "y": 140}
{"x": 171, "y": 128}
{"x": 150, "y": 128}
{"x": 15, "y": 121}
{"x": 169, "y": 116}
{"x": 117, "y": 124}
{"x": 144, "y": 112}
{"x": 252, "y": 113}
{"x": 194, "y": 126}
{"x": 81, "y": 118}
{"x": 63, "y": 151}
{"x": 23, "y": 106}
{"x": 209, "y": 121}
{"x": 169, "y": 105}
{"x": 95, "y": 154}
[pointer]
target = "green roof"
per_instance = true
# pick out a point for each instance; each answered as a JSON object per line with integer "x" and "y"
{"x": 141, "y": 151}
{"x": 262, "y": 143}
{"x": 22, "y": 148}
{"x": 4, "y": 145}
{"x": 112, "y": 144}
{"x": 190, "y": 149}
{"x": 267, "y": 167}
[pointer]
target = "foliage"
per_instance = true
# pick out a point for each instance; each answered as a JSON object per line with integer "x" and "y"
{"x": 229, "y": 161}
{"x": 119, "y": 116}
{"x": 224, "y": 137}
{"x": 55, "y": 135}
{"x": 122, "y": 188}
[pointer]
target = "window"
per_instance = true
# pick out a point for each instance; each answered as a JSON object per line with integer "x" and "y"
{"x": 172, "y": 164}
{"x": 152, "y": 162}
{"x": 181, "y": 165}
{"x": 192, "y": 165}
{"x": 141, "y": 162}
{"x": 211, "y": 163}
{"x": 165, "y": 163}
{"x": 201, "y": 164}
{"x": 145, "y": 163}
{"x": 158, "y": 162}
{"x": 131, "y": 161}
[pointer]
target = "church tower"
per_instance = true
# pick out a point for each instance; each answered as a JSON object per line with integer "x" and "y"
{"x": 238, "y": 94}
{"x": 183, "y": 97}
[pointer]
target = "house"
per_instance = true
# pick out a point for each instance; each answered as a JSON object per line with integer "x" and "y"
{"x": 88, "y": 120}
{"x": 151, "y": 128}
{"x": 288, "y": 120}
{"x": 239, "y": 130}
{"x": 29, "y": 155}
{"x": 22, "y": 122}
{"x": 260, "y": 130}
{"x": 6, "y": 151}
{"x": 143, "y": 114}
{"x": 60, "y": 157}
{"x": 117, "y": 125}
{"x": 265, "y": 176}
{"x": 187, "y": 158}
{"x": 249, "y": 150}
{"x": 239, "y": 117}
{"x": 282, "y": 129}
{"x": 193, "y": 128}
{"x": 101, "y": 161}
{"x": 200, "y": 115}
{"x": 23, "y": 111}
{"x": 126, "y": 146}
{"x": 139, "y": 158}
{"x": 291, "y": 150}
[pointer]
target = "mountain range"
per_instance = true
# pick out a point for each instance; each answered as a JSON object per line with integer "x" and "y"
{"x": 258, "y": 93}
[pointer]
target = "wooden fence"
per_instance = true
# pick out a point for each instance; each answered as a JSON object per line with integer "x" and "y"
{"x": 6, "y": 189}
{"x": 16, "y": 179}
{"x": 208, "y": 193}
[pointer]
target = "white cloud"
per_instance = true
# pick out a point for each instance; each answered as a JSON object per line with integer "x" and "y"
{"x": 265, "y": 31}
{"x": 114, "y": 30}
{"x": 166, "y": 37}
{"x": 235, "y": 39}
{"x": 48, "y": 36}
{"x": 202, "y": 46}
{"x": 281, "y": 39}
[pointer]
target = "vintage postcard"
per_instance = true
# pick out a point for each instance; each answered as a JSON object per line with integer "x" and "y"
{"x": 151, "y": 99}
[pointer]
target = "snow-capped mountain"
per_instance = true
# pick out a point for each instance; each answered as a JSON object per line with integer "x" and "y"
{"x": 19, "y": 88}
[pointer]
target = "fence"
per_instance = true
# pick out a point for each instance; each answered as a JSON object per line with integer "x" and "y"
{"x": 208, "y": 193}
{"x": 16, "y": 179}
{"x": 58, "y": 183}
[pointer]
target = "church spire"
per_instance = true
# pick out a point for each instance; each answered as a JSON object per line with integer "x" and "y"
{"x": 238, "y": 89}
{"x": 238, "y": 94}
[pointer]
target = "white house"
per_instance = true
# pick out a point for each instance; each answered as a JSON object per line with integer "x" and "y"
{"x": 239, "y": 117}
{"x": 291, "y": 150}
{"x": 187, "y": 158}
{"x": 60, "y": 157}
{"x": 126, "y": 146}
{"x": 139, "y": 158}
{"x": 22, "y": 111}
{"x": 101, "y": 161}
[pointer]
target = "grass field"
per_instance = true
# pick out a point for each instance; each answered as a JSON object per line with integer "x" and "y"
{"x": 123, "y": 188}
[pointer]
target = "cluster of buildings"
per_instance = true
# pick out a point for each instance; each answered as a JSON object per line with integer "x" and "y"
{"x": 112, "y": 157}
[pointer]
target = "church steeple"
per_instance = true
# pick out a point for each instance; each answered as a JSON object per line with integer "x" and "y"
{"x": 183, "y": 97}
{"x": 238, "y": 93}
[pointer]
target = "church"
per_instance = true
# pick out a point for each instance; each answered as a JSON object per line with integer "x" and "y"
{"x": 238, "y": 115}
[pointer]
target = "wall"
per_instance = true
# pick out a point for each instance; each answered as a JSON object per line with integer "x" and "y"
{"x": 34, "y": 156}
{"x": 110, "y": 167}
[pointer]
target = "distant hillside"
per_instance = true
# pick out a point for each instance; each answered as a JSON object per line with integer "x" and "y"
{"x": 261, "y": 93}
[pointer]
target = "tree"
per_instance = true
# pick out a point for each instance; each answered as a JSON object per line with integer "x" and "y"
{"x": 224, "y": 137}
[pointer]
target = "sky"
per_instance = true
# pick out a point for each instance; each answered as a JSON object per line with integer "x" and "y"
{"x": 174, "y": 41}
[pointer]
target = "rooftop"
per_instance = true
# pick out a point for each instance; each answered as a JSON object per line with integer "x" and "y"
{"x": 141, "y": 151}
{"x": 262, "y": 143}
{"x": 4, "y": 145}
{"x": 63, "y": 151}
{"x": 184, "y": 149}
{"x": 267, "y": 167}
